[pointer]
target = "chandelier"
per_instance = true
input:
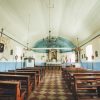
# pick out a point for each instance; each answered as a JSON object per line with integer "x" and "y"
{"x": 77, "y": 51}
{"x": 50, "y": 41}
{"x": 27, "y": 48}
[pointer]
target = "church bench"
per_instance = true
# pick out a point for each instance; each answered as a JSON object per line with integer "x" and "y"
{"x": 11, "y": 90}
{"x": 85, "y": 74}
{"x": 86, "y": 87}
{"x": 67, "y": 77}
{"x": 32, "y": 75}
{"x": 82, "y": 87}
{"x": 42, "y": 70}
{"x": 70, "y": 75}
{"x": 33, "y": 78}
{"x": 34, "y": 70}
{"x": 24, "y": 81}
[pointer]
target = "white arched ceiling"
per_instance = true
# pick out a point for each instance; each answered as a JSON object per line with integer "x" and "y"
{"x": 28, "y": 20}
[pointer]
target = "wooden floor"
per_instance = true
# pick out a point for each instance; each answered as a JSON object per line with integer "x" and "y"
{"x": 52, "y": 88}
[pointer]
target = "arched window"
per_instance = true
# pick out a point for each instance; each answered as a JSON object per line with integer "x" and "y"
{"x": 89, "y": 52}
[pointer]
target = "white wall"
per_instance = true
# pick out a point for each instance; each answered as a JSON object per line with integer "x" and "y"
{"x": 68, "y": 57}
{"x": 11, "y": 45}
{"x": 60, "y": 56}
{"x": 40, "y": 56}
{"x": 96, "y": 47}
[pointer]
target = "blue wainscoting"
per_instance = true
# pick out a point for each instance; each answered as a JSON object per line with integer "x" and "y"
{"x": 91, "y": 65}
{"x": 5, "y": 66}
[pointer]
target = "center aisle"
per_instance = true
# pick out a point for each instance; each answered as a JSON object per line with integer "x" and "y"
{"x": 52, "y": 88}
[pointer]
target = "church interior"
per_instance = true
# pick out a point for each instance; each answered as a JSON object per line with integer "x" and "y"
{"x": 49, "y": 50}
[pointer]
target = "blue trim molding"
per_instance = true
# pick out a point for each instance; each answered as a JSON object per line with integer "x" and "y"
{"x": 91, "y": 65}
{"x": 5, "y": 66}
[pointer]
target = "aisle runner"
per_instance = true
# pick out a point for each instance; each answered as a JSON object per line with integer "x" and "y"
{"x": 52, "y": 88}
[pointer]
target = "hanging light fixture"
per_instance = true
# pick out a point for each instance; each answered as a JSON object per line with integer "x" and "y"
{"x": 50, "y": 41}
{"x": 28, "y": 31}
{"x": 27, "y": 48}
{"x": 77, "y": 51}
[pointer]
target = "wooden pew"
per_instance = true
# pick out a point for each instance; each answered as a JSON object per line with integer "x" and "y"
{"x": 34, "y": 70}
{"x": 32, "y": 75}
{"x": 25, "y": 81}
{"x": 86, "y": 87}
{"x": 77, "y": 82}
{"x": 87, "y": 84}
{"x": 85, "y": 74}
{"x": 42, "y": 70}
{"x": 10, "y": 90}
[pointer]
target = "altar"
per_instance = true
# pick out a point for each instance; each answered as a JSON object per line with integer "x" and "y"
{"x": 53, "y": 63}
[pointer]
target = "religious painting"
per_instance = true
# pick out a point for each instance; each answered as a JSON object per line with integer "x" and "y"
{"x": 52, "y": 55}
{"x": 11, "y": 52}
{"x": 96, "y": 53}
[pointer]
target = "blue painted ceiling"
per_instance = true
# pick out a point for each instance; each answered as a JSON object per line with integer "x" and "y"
{"x": 60, "y": 43}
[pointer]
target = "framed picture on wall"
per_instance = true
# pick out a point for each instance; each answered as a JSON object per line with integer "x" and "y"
{"x": 1, "y": 47}
{"x": 11, "y": 52}
{"x": 96, "y": 53}
{"x": 82, "y": 56}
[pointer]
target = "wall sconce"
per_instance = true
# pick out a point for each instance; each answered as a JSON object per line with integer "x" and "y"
{"x": 16, "y": 57}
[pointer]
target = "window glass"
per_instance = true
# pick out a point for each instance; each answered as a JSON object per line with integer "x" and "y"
{"x": 89, "y": 52}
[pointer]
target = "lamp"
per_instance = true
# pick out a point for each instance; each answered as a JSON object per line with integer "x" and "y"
{"x": 77, "y": 51}
{"x": 27, "y": 48}
{"x": 50, "y": 41}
